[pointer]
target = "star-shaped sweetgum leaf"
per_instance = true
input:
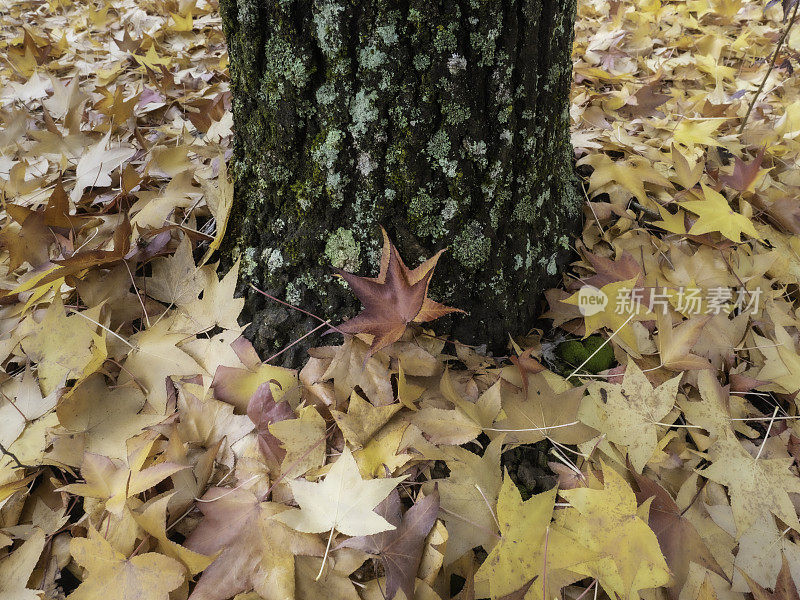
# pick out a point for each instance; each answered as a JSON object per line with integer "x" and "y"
{"x": 256, "y": 551}
{"x": 396, "y": 297}
{"x": 401, "y": 548}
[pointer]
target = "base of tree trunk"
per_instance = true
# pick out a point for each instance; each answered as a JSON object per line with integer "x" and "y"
{"x": 446, "y": 122}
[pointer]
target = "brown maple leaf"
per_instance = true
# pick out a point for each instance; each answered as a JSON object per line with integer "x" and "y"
{"x": 31, "y": 242}
{"x": 263, "y": 411}
{"x": 401, "y": 548}
{"x": 127, "y": 43}
{"x": 744, "y": 173}
{"x": 527, "y": 365}
{"x": 785, "y": 212}
{"x": 646, "y": 101}
{"x": 679, "y": 541}
{"x": 610, "y": 271}
{"x": 396, "y": 297}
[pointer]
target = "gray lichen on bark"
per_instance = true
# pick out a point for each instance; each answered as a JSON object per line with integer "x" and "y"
{"x": 447, "y": 122}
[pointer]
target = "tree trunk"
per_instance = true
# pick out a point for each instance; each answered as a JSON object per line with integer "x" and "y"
{"x": 445, "y": 121}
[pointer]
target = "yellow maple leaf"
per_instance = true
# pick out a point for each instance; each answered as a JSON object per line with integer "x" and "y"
{"x": 726, "y": 8}
{"x": 630, "y": 174}
{"x": 758, "y": 486}
{"x": 688, "y": 175}
{"x": 219, "y": 199}
{"x": 65, "y": 346}
{"x": 380, "y": 453}
{"x": 781, "y": 361}
{"x": 303, "y": 439}
{"x": 110, "y": 489}
{"x": 98, "y": 419}
{"x": 30, "y": 446}
{"x": 16, "y": 569}
{"x": 672, "y": 223}
{"x": 715, "y": 214}
{"x": 152, "y": 60}
{"x": 148, "y": 576}
{"x": 153, "y": 518}
{"x": 607, "y": 522}
{"x": 217, "y": 307}
{"x": 463, "y": 423}
{"x": 236, "y": 386}
{"x": 692, "y": 133}
{"x": 23, "y": 60}
{"x": 157, "y": 355}
{"x": 542, "y": 412}
{"x": 362, "y": 420}
{"x": 466, "y": 497}
{"x": 675, "y": 343}
{"x": 788, "y": 125}
{"x": 629, "y": 414}
{"x": 181, "y": 23}
{"x": 408, "y": 392}
{"x": 529, "y": 546}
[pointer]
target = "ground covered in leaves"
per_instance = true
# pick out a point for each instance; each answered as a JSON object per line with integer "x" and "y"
{"x": 148, "y": 453}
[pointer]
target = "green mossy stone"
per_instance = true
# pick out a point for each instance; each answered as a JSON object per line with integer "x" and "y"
{"x": 575, "y": 352}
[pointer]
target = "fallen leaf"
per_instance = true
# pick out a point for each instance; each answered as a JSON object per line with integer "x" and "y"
{"x": 785, "y": 587}
{"x": 95, "y": 165}
{"x": 542, "y": 413}
{"x": 757, "y": 486}
{"x": 256, "y": 551}
{"x": 679, "y": 541}
{"x": 153, "y": 519}
{"x": 303, "y": 440}
{"x": 362, "y": 420}
{"x": 746, "y": 175}
{"x": 401, "y": 548}
{"x": 343, "y": 501}
{"x": 530, "y": 547}
{"x": 397, "y": 297}
{"x": 149, "y": 576}
{"x": 630, "y": 414}
{"x": 715, "y": 214}
{"x": 468, "y": 497}
{"x": 57, "y": 359}
{"x": 100, "y": 420}
{"x": 675, "y": 343}
{"x": 16, "y": 569}
{"x": 606, "y": 521}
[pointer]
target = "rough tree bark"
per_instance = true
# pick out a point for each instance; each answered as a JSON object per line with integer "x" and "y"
{"x": 446, "y": 121}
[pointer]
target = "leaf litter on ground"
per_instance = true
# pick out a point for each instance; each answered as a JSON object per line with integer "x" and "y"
{"x": 147, "y": 449}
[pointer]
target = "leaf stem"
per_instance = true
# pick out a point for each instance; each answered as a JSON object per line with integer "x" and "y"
{"x": 600, "y": 347}
{"x": 298, "y": 340}
{"x": 771, "y": 66}
{"x": 544, "y": 567}
{"x": 13, "y": 457}
{"x": 325, "y": 556}
{"x": 532, "y": 428}
{"x": 305, "y": 312}
{"x": 488, "y": 505}
{"x": 769, "y": 428}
